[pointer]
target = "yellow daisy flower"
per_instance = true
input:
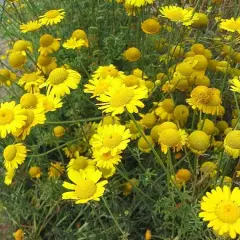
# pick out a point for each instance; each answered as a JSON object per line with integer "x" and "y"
{"x": 206, "y": 126}
{"x": 22, "y": 46}
{"x": 52, "y": 17}
{"x": 139, "y": 3}
{"x": 165, "y": 109}
{"x": 31, "y": 82}
{"x": 178, "y": 14}
{"x": 172, "y": 138}
{"x": 80, "y": 163}
{"x": 55, "y": 170}
{"x": 14, "y": 155}
{"x": 11, "y": 117}
{"x": 221, "y": 208}
{"x": 46, "y": 64}
{"x": 156, "y": 130}
{"x": 107, "y": 172}
{"x": 230, "y": 25}
{"x": 16, "y": 60}
{"x": 198, "y": 142}
{"x": 73, "y": 43}
{"x": 80, "y": 34}
{"x": 235, "y": 84}
{"x": 19, "y": 234}
{"x": 30, "y": 26}
{"x": 35, "y": 172}
{"x": 7, "y": 77}
{"x": 60, "y": 81}
{"x": 86, "y": 186}
{"x": 180, "y": 115}
{"x": 207, "y": 100}
{"x": 99, "y": 86}
{"x": 143, "y": 145}
{"x": 59, "y": 131}
{"x": 106, "y": 160}
{"x": 132, "y": 54}
{"x": 71, "y": 150}
{"x": 105, "y": 71}
{"x": 232, "y": 143}
{"x": 150, "y": 26}
{"x": 133, "y": 130}
{"x": 119, "y": 98}
{"x": 111, "y": 138}
{"x": 30, "y": 100}
{"x": 9, "y": 175}
{"x": 48, "y": 44}
{"x": 34, "y": 117}
{"x": 50, "y": 103}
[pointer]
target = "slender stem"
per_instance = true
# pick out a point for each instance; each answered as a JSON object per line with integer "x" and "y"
{"x": 54, "y": 149}
{"x": 74, "y": 121}
{"x": 114, "y": 219}
{"x": 150, "y": 145}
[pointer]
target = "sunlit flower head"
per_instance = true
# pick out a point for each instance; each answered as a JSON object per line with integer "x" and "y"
{"x": 156, "y": 130}
{"x": 72, "y": 149}
{"x": 52, "y": 17}
{"x": 16, "y": 60}
{"x": 105, "y": 71}
{"x": 180, "y": 114}
{"x": 165, "y": 109}
{"x": 178, "y": 14}
{"x": 31, "y": 81}
{"x": 198, "y": 142}
{"x": 85, "y": 187}
{"x": 150, "y": 26}
{"x": 132, "y": 54}
{"x": 14, "y": 155}
{"x": 206, "y": 126}
{"x": 59, "y": 131}
{"x": 50, "y": 103}
{"x": 30, "y": 26}
{"x": 139, "y": 3}
{"x": 11, "y": 117}
{"x": 80, "y": 163}
{"x": 55, "y": 170}
{"x": 48, "y": 44}
{"x": 207, "y": 100}
{"x": 19, "y": 234}
{"x": 235, "y": 84}
{"x": 7, "y": 77}
{"x": 46, "y": 64}
{"x": 35, "y": 172}
{"x": 230, "y": 25}
{"x": 111, "y": 138}
{"x": 172, "y": 138}
{"x": 232, "y": 143}
{"x": 9, "y": 175}
{"x": 221, "y": 208}
{"x": 34, "y": 117}
{"x": 80, "y": 34}
{"x": 99, "y": 86}
{"x": 183, "y": 175}
{"x": 119, "y": 98}
{"x": 145, "y": 146}
{"x": 61, "y": 80}
{"x": 107, "y": 172}
{"x": 106, "y": 160}
{"x": 133, "y": 130}
{"x": 22, "y": 46}
{"x": 73, "y": 43}
{"x": 148, "y": 120}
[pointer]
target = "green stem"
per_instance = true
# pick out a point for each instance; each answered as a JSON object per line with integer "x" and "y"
{"x": 149, "y": 144}
{"x": 114, "y": 219}
{"x": 74, "y": 121}
{"x": 56, "y": 148}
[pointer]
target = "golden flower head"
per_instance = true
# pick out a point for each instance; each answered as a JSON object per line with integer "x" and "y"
{"x": 52, "y": 17}
{"x": 145, "y": 146}
{"x": 150, "y": 26}
{"x": 232, "y": 143}
{"x": 198, "y": 142}
{"x": 59, "y": 131}
{"x": 132, "y": 54}
{"x": 35, "y": 172}
{"x": 221, "y": 208}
